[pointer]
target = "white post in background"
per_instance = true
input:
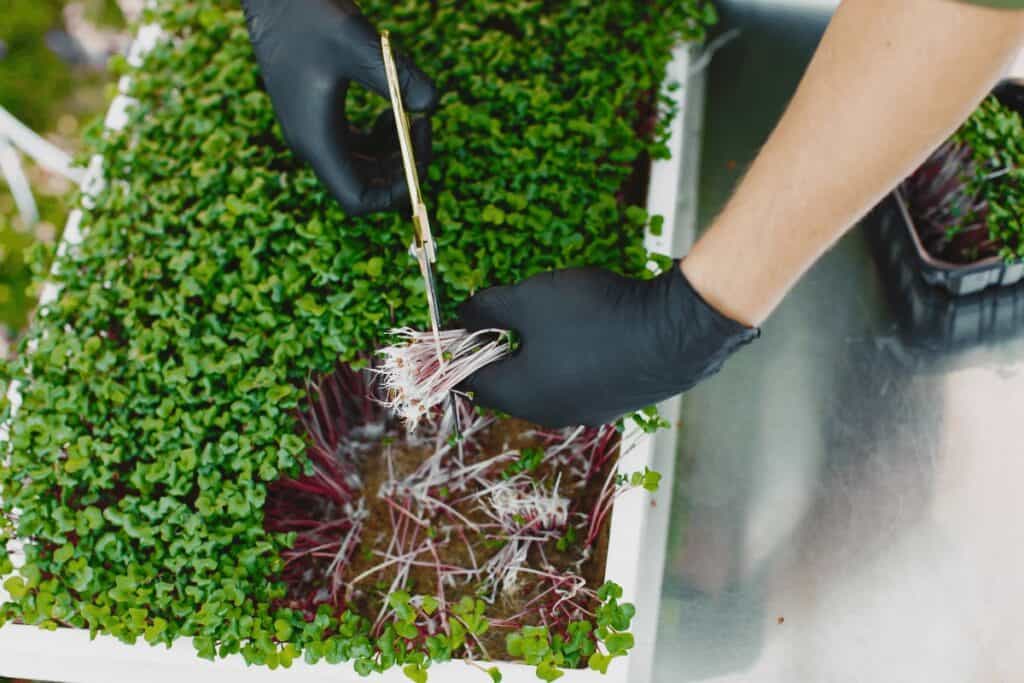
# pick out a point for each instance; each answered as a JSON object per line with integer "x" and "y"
{"x": 14, "y": 174}
{"x": 15, "y": 135}
{"x": 45, "y": 153}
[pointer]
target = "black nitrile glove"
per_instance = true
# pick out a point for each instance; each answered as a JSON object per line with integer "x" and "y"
{"x": 595, "y": 345}
{"x": 309, "y": 51}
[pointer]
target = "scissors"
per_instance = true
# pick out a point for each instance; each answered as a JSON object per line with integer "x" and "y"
{"x": 423, "y": 241}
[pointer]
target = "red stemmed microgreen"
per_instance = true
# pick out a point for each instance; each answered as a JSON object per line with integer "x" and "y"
{"x": 967, "y": 198}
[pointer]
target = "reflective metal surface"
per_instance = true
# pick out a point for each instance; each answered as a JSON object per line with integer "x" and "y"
{"x": 848, "y": 502}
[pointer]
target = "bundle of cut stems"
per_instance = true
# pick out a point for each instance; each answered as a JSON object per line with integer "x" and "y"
{"x": 417, "y": 376}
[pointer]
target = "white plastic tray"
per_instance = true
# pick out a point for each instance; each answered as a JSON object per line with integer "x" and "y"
{"x": 637, "y": 536}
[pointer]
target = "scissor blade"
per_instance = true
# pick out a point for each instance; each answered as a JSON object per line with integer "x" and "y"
{"x": 435, "y": 326}
{"x": 433, "y": 305}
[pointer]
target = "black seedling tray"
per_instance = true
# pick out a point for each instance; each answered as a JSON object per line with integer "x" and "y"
{"x": 931, "y": 317}
{"x": 961, "y": 279}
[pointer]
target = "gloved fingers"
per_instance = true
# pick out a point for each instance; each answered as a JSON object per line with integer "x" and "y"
{"x": 495, "y": 386}
{"x": 382, "y": 139}
{"x": 376, "y": 155}
{"x": 378, "y": 160}
{"x": 364, "y": 175}
{"x": 386, "y": 197}
{"x": 382, "y": 143}
{"x": 351, "y": 180}
{"x": 491, "y": 308}
{"x": 422, "y": 136}
{"x": 393, "y": 170}
{"x": 510, "y": 387}
{"x": 418, "y": 91}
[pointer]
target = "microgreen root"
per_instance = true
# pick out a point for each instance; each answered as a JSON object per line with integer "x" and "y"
{"x": 509, "y": 518}
{"x": 416, "y": 379}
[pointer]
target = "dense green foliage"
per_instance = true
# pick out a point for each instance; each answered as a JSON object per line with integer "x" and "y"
{"x": 995, "y": 136}
{"x": 967, "y": 199}
{"x": 217, "y": 275}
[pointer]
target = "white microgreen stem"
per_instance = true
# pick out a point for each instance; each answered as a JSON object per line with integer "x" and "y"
{"x": 502, "y": 570}
{"x": 402, "y": 511}
{"x": 455, "y": 513}
{"x": 401, "y": 577}
{"x": 469, "y": 548}
{"x": 566, "y": 588}
{"x": 398, "y": 543}
{"x": 344, "y": 555}
{"x": 442, "y": 604}
{"x": 465, "y": 495}
{"x": 416, "y": 381}
{"x": 512, "y": 502}
{"x": 604, "y": 501}
{"x": 611, "y": 490}
{"x": 410, "y": 559}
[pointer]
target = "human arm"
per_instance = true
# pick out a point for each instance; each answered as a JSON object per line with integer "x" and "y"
{"x": 309, "y": 51}
{"x": 890, "y": 80}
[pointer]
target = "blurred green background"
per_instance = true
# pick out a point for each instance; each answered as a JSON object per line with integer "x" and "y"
{"x": 53, "y": 78}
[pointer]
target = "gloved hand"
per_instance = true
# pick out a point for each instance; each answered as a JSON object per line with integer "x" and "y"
{"x": 309, "y": 51}
{"x": 595, "y": 345}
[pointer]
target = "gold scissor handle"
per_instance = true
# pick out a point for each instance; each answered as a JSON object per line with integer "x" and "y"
{"x": 421, "y": 223}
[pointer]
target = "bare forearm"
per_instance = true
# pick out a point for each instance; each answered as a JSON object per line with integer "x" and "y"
{"x": 889, "y": 81}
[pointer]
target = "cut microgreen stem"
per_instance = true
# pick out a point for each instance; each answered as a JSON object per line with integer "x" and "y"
{"x": 416, "y": 379}
{"x": 442, "y": 603}
{"x": 402, "y": 511}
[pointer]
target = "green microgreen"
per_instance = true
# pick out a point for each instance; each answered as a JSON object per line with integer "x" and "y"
{"x": 528, "y": 460}
{"x": 967, "y": 199}
{"x": 217, "y": 275}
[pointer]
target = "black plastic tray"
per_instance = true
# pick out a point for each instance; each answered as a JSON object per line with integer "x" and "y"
{"x": 962, "y": 279}
{"x": 931, "y": 317}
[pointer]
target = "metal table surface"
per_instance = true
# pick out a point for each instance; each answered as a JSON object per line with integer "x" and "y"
{"x": 847, "y": 504}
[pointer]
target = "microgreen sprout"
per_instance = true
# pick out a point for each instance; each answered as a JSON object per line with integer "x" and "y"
{"x": 417, "y": 377}
{"x": 966, "y": 199}
{"x": 615, "y": 485}
{"x": 529, "y": 459}
{"x": 648, "y": 420}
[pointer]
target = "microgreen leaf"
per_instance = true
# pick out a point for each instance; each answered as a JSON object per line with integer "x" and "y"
{"x": 619, "y": 643}
{"x": 546, "y": 671}
{"x": 429, "y": 604}
{"x": 415, "y": 673}
{"x": 599, "y": 662}
{"x": 15, "y": 585}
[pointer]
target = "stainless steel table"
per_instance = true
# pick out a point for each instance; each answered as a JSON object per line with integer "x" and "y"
{"x": 848, "y": 502}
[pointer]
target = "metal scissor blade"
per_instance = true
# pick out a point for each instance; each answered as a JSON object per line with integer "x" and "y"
{"x": 435, "y": 325}
{"x": 433, "y": 305}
